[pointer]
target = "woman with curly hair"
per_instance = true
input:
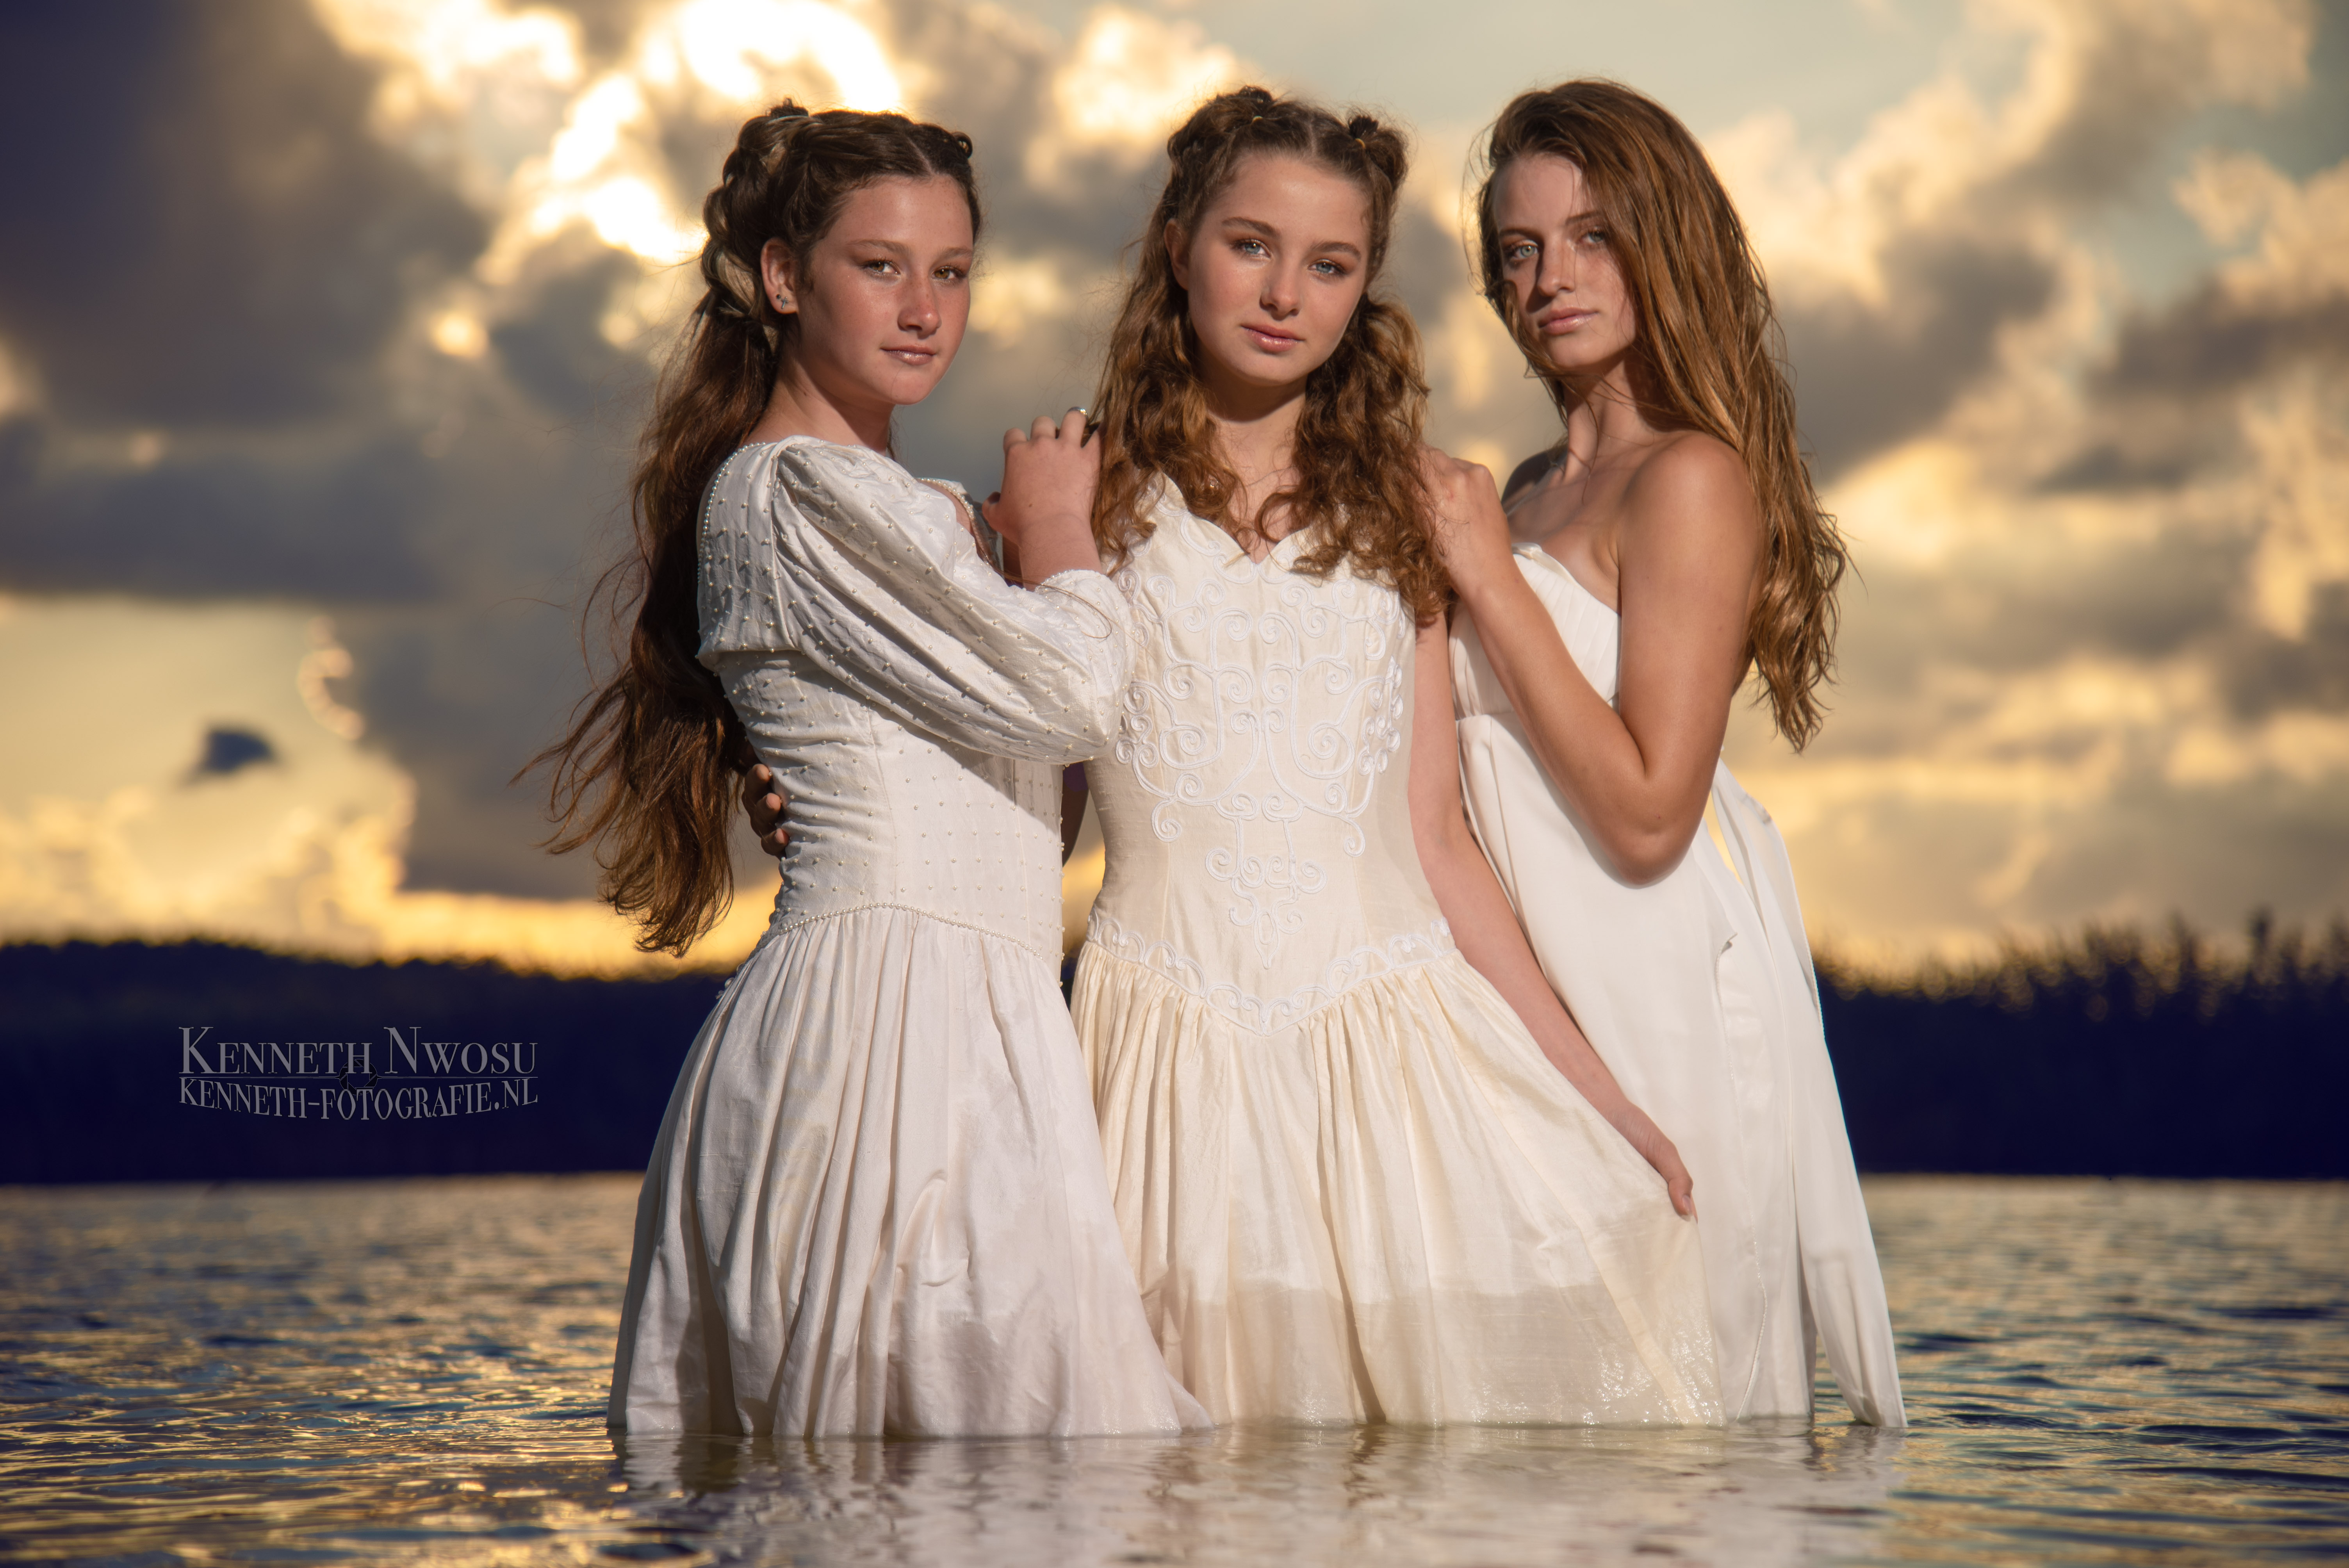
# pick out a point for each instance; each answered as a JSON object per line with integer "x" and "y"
{"x": 1365, "y": 1166}
{"x": 1612, "y": 604}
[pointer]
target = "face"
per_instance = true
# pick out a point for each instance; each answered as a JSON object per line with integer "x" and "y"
{"x": 1561, "y": 266}
{"x": 1274, "y": 271}
{"x": 883, "y": 297}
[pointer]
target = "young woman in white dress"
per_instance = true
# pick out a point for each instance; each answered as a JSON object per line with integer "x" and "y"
{"x": 876, "y": 1206}
{"x": 1667, "y": 545}
{"x": 1365, "y": 1167}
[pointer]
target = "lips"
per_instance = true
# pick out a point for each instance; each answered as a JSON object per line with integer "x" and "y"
{"x": 1565, "y": 321}
{"x": 913, "y": 353}
{"x": 1270, "y": 339}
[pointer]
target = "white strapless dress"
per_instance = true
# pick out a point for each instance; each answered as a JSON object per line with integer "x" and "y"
{"x": 1697, "y": 990}
{"x": 1351, "y": 1186}
{"x": 876, "y": 1205}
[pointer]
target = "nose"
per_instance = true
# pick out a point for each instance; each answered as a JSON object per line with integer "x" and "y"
{"x": 918, "y": 313}
{"x": 1281, "y": 286}
{"x": 1555, "y": 274}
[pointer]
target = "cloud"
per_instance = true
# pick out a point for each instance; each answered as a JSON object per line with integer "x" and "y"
{"x": 416, "y": 261}
{"x": 1128, "y": 80}
{"x": 231, "y": 803}
{"x": 1904, "y": 265}
{"x": 202, "y": 231}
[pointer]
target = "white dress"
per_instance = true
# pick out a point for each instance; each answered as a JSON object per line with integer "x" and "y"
{"x": 876, "y": 1204}
{"x": 1697, "y": 990}
{"x": 1353, "y": 1186}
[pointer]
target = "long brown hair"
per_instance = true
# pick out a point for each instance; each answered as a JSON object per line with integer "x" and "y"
{"x": 647, "y": 769}
{"x": 1709, "y": 355}
{"x": 1358, "y": 437}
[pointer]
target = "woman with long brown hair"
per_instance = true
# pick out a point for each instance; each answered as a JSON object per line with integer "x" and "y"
{"x": 876, "y": 1205}
{"x": 1365, "y": 1167}
{"x": 1667, "y": 545}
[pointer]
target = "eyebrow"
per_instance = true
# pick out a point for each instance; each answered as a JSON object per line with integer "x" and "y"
{"x": 899, "y": 248}
{"x": 1593, "y": 216}
{"x": 1256, "y": 226}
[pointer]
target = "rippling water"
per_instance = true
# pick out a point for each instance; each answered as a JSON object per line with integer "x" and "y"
{"x": 2099, "y": 1372}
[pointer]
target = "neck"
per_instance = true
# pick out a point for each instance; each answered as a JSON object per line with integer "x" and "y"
{"x": 798, "y": 407}
{"x": 1255, "y": 427}
{"x": 1604, "y": 414}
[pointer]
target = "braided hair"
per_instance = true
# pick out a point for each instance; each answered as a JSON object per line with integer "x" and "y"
{"x": 1356, "y": 455}
{"x": 647, "y": 771}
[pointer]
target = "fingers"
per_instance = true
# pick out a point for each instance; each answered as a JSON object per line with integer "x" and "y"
{"x": 1070, "y": 427}
{"x": 766, "y": 813}
{"x": 1679, "y": 1184}
{"x": 1661, "y": 1154}
{"x": 765, "y": 807}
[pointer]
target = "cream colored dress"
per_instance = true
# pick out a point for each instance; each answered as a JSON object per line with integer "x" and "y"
{"x": 1351, "y": 1186}
{"x": 876, "y": 1205}
{"x": 1697, "y": 990}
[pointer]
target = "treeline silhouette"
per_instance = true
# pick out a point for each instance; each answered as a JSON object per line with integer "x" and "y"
{"x": 2111, "y": 1052}
{"x": 91, "y": 1059}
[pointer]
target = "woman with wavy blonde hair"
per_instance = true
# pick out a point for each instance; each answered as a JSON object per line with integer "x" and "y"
{"x": 1612, "y": 602}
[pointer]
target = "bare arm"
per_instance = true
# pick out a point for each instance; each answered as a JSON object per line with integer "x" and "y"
{"x": 1689, "y": 551}
{"x": 1487, "y": 928}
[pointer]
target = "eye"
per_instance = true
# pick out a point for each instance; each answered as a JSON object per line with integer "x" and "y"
{"x": 952, "y": 272}
{"x": 1250, "y": 247}
{"x": 1518, "y": 251}
{"x": 1595, "y": 237}
{"x": 881, "y": 267}
{"x": 1328, "y": 268}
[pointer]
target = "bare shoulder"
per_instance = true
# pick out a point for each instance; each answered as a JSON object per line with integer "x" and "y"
{"x": 1528, "y": 474}
{"x": 1692, "y": 484}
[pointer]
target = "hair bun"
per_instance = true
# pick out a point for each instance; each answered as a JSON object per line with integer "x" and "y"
{"x": 1361, "y": 127}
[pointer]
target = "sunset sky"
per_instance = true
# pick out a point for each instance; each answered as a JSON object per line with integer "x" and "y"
{"x": 324, "y": 329}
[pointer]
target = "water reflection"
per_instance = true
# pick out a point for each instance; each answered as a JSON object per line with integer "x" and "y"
{"x": 1269, "y": 1494}
{"x": 2102, "y": 1372}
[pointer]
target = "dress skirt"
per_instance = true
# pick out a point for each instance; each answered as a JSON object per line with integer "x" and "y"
{"x": 1396, "y": 1209}
{"x": 876, "y": 1206}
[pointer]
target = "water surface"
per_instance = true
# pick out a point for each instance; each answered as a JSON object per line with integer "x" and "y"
{"x": 414, "y": 1371}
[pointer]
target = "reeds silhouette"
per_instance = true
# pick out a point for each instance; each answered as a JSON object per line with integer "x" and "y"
{"x": 2108, "y": 1052}
{"x": 2111, "y": 1051}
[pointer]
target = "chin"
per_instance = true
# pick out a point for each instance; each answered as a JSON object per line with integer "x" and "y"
{"x": 909, "y": 385}
{"x": 1580, "y": 361}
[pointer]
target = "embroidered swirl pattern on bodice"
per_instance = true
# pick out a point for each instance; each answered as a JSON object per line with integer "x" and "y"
{"x": 1254, "y": 798}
